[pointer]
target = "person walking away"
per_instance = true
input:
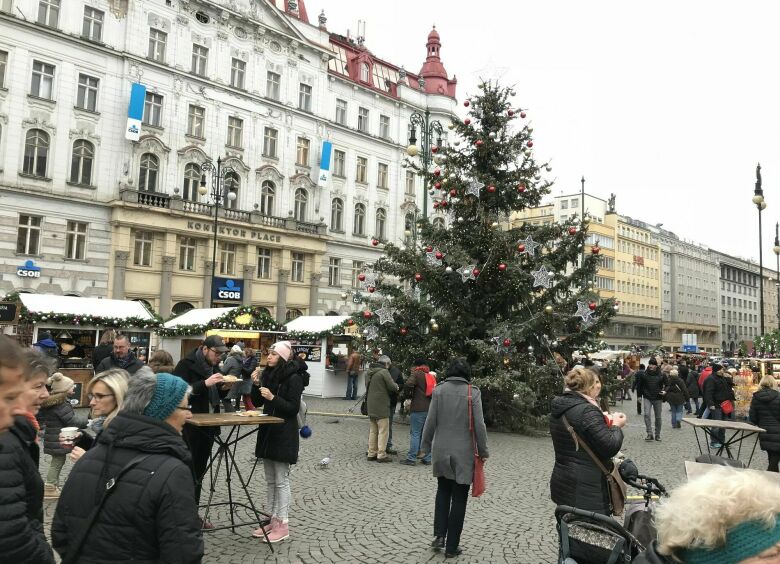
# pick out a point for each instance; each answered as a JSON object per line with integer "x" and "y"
{"x": 651, "y": 386}
{"x": 449, "y": 437}
{"x": 765, "y": 413}
{"x": 676, "y": 396}
{"x": 105, "y": 347}
{"x": 121, "y": 357}
{"x": 281, "y": 385}
{"x": 398, "y": 378}
{"x": 690, "y": 377}
{"x": 419, "y": 389}
{"x": 625, "y": 377}
{"x": 379, "y": 387}
{"x": 22, "y": 539}
{"x": 57, "y": 412}
{"x": 161, "y": 361}
{"x": 354, "y": 362}
{"x": 638, "y": 374}
{"x": 248, "y": 365}
{"x": 233, "y": 366}
{"x": 151, "y": 514}
{"x": 719, "y": 394}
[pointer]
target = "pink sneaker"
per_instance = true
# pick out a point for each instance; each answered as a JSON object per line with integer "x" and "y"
{"x": 281, "y": 531}
{"x": 258, "y": 533}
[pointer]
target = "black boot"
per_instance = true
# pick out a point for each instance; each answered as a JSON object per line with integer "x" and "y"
{"x": 438, "y": 543}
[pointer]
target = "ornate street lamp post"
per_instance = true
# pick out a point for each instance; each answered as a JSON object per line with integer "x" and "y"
{"x": 776, "y": 249}
{"x": 428, "y": 129}
{"x": 758, "y": 199}
{"x": 220, "y": 194}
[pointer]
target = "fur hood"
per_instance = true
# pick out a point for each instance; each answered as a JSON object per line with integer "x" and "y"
{"x": 54, "y": 400}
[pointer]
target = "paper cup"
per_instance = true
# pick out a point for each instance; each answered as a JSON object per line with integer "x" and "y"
{"x": 69, "y": 434}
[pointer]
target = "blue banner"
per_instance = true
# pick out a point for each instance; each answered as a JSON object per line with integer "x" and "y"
{"x": 327, "y": 149}
{"x": 226, "y": 290}
{"x": 135, "y": 111}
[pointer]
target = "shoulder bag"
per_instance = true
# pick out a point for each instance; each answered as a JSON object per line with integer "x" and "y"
{"x": 364, "y": 403}
{"x": 615, "y": 485}
{"x": 478, "y": 480}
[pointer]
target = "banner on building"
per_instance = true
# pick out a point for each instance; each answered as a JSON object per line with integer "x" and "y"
{"x": 135, "y": 112}
{"x": 327, "y": 149}
{"x": 226, "y": 290}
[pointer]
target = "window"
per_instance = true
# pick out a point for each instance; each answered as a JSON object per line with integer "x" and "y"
{"x": 237, "y": 71}
{"x": 363, "y": 120}
{"x": 235, "y": 135}
{"x": 147, "y": 175}
{"x": 384, "y": 127}
{"x": 273, "y": 85}
{"x": 267, "y": 196}
{"x": 3, "y": 65}
{"x": 142, "y": 255}
{"x": 157, "y": 42}
{"x": 153, "y": 109}
{"x": 365, "y": 72}
{"x": 270, "y": 139}
{"x": 81, "y": 162}
{"x": 339, "y": 163}
{"x": 49, "y": 12}
{"x": 28, "y": 237}
{"x": 191, "y": 182}
{"x": 264, "y": 257}
{"x": 334, "y": 272}
{"x": 359, "y": 220}
{"x": 76, "y": 241}
{"x": 187, "y": 248}
{"x": 381, "y": 175}
{"x": 196, "y": 116}
{"x": 302, "y": 154}
{"x": 292, "y": 314}
{"x": 86, "y": 97}
{"x": 304, "y": 97}
{"x": 361, "y": 171}
{"x": 337, "y": 215}
{"x": 6, "y": 6}
{"x": 381, "y": 222}
{"x": 92, "y": 26}
{"x": 200, "y": 56}
{"x": 42, "y": 80}
{"x": 341, "y": 112}
{"x": 301, "y": 199}
{"x": 575, "y": 203}
{"x": 227, "y": 258}
{"x": 409, "y": 183}
{"x": 36, "y": 153}
{"x": 357, "y": 268}
{"x": 298, "y": 260}
{"x": 232, "y": 185}
{"x": 182, "y": 307}
{"x": 564, "y": 204}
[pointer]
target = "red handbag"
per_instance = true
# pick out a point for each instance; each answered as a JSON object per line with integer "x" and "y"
{"x": 727, "y": 407}
{"x": 478, "y": 481}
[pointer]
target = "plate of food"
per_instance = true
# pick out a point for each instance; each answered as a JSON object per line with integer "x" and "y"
{"x": 230, "y": 379}
{"x": 250, "y": 413}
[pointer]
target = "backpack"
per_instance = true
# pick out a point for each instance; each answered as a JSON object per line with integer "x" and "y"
{"x": 430, "y": 384}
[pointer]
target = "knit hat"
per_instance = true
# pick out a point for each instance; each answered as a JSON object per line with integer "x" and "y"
{"x": 747, "y": 539}
{"x": 59, "y": 383}
{"x": 652, "y": 361}
{"x": 283, "y": 349}
{"x": 236, "y": 349}
{"x": 168, "y": 393}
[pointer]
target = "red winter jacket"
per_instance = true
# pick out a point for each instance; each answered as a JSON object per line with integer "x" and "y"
{"x": 706, "y": 373}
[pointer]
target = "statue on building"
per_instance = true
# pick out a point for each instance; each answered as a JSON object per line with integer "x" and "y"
{"x": 611, "y": 203}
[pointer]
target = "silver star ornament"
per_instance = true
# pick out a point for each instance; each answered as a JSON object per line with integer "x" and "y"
{"x": 583, "y": 311}
{"x": 385, "y": 314}
{"x": 467, "y": 272}
{"x": 431, "y": 259}
{"x": 542, "y": 277}
{"x": 530, "y": 245}
{"x": 473, "y": 188}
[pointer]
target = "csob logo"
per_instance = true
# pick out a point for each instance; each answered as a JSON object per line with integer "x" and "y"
{"x": 230, "y": 291}
{"x": 29, "y": 270}
{"x": 133, "y": 129}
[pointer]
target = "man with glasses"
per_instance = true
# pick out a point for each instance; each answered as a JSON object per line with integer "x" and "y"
{"x": 122, "y": 357}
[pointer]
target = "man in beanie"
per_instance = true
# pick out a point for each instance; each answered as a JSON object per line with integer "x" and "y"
{"x": 379, "y": 387}
{"x": 151, "y": 514}
{"x": 651, "y": 385}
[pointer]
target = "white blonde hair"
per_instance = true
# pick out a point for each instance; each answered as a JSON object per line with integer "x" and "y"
{"x": 701, "y": 512}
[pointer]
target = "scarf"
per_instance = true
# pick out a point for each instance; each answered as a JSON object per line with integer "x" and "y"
{"x": 97, "y": 424}
{"x": 123, "y": 362}
{"x": 590, "y": 400}
{"x": 34, "y": 422}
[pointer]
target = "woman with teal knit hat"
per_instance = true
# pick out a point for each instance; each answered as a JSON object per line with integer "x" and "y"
{"x": 151, "y": 514}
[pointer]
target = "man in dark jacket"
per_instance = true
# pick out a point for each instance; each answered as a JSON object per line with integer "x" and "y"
{"x": 718, "y": 389}
{"x": 122, "y": 357}
{"x": 379, "y": 386}
{"x": 415, "y": 390}
{"x": 765, "y": 413}
{"x": 199, "y": 370}
{"x": 690, "y": 378}
{"x": 398, "y": 378}
{"x": 651, "y": 385}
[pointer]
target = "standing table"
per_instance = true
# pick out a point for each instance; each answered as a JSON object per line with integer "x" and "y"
{"x": 225, "y": 458}
{"x": 741, "y": 432}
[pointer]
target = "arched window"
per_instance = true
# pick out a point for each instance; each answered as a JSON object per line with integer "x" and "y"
{"x": 36, "y": 152}
{"x": 359, "y": 221}
{"x": 267, "y": 197}
{"x": 337, "y": 215}
{"x": 332, "y": 313}
{"x": 182, "y": 307}
{"x": 380, "y": 227}
{"x": 292, "y": 314}
{"x": 364, "y": 72}
{"x": 147, "y": 175}
{"x": 301, "y": 199}
{"x": 232, "y": 184}
{"x": 438, "y": 223}
{"x": 265, "y": 310}
{"x": 191, "y": 181}
{"x": 81, "y": 162}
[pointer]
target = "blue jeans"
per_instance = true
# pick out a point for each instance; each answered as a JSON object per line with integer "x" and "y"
{"x": 695, "y": 402}
{"x": 677, "y": 415}
{"x": 352, "y": 379}
{"x": 416, "y": 424}
{"x": 719, "y": 435}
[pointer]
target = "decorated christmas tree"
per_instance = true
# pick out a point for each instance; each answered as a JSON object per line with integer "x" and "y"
{"x": 515, "y": 301}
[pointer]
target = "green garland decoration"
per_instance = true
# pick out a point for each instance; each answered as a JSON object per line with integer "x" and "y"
{"x": 261, "y": 322}
{"x": 335, "y": 330}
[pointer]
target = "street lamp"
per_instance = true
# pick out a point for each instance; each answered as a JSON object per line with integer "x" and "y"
{"x": 219, "y": 193}
{"x": 758, "y": 199}
{"x": 427, "y": 130}
{"x": 776, "y": 249}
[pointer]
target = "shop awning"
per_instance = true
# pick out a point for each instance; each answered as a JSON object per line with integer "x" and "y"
{"x": 93, "y": 307}
{"x": 316, "y": 323}
{"x": 237, "y": 334}
{"x": 198, "y": 316}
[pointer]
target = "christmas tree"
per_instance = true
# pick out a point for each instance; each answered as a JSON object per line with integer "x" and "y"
{"x": 516, "y": 302}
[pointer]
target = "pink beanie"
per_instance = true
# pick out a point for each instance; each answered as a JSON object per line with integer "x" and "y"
{"x": 283, "y": 349}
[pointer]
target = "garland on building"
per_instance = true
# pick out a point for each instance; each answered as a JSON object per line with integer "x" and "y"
{"x": 315, "y": 335}
{"x": 244, "y": 318}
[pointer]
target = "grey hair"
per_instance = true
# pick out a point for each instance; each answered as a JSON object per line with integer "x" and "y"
{"x": 39, "y": 364}
{"x": 144, "y": 371}
{"x": 141, "y": 391}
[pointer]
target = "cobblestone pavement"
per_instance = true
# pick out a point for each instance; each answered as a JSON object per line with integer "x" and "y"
{"x": 356, "y": 511}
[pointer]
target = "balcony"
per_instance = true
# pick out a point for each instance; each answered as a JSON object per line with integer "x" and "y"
{"x": 162, "y": 201}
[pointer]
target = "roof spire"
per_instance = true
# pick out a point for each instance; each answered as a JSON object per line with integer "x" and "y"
{"x": 433, "y": 71}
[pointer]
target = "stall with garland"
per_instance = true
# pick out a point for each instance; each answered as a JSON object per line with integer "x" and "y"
{"x": 246, "y": 325}
{"x": 326, "y": 341}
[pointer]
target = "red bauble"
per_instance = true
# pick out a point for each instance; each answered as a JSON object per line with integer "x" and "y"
{"x": 437, "y": 172}
{"x": 403, "y": 331}
{"x": 444, "y": 203}
{"x": 374, "y": 242}
{"x": 367, "y": 314}
{"x": 418, "y": 277}
{"x": 453, "y": 192}
{"x": 572, "y": 230}
{"x": 521, "y": 248}
{"x": 350, "y": 322}
{"x": 592, "y": 306}
{"x": 522, "y": 115}
{"x": 439, "y": 255}
{"x": 467, "y": 121}
{"x": 510, "y": 113}
{"x": 502, "y": 267}
{"x": 521, "y": 187}
{"x": 491, "y": 189}
{"x": 530, "y": 143}
{"x": 479, "y": 142}
{"x": 437, "y": 185}
{"x": 361, "y": 277}
{"x": 371, "y": 289}
{"x": 434, "y": 149}
{"x": 595, "y": 249}
{"x": 428, "y": 249}
{"x": 436, "y": 205}
{"x": 507, "y": 342}
{"x": 476, "y": 271}
{"x": 466, "y": 103}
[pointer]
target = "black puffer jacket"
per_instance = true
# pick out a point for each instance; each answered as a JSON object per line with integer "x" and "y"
{"x": 56, "y": 413}
{"x": 718, "y": 389}
{"x": 576, "y": 480}
{"x": 108, "y": 363}
{"x": 151, "y": 516}
{"x": 650, "y": 383}
{"x": 194, "y": 370}
{"x": 765, "y": 413}
{"x": 22, "y": 540}
{"x": 676, "y": 391}
{"x": 692, "y": 383}
{"x": 286, "y": 382}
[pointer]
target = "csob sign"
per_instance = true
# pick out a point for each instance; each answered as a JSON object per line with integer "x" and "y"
{"x": 226, "y": 290}
{"x": 28, "y": 270}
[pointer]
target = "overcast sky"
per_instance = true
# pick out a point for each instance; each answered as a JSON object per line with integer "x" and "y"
{"x": 668, "y": 104}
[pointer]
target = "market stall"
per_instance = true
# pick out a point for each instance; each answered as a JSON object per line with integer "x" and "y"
{"x": 75, "y": 325}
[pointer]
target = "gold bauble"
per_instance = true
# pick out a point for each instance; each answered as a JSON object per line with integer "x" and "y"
{"x": 548, "y": 308}
{"x": 435, "y": 327}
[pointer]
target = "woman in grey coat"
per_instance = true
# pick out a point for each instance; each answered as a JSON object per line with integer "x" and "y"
{"x": 447, "y": 435}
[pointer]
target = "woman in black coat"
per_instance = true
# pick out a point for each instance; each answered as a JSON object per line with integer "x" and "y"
{"x": 281, "y": 385}
{"x": 691, "y": 379}
{"x": 576, "y": 480}
{"x": 765, "y": 413}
